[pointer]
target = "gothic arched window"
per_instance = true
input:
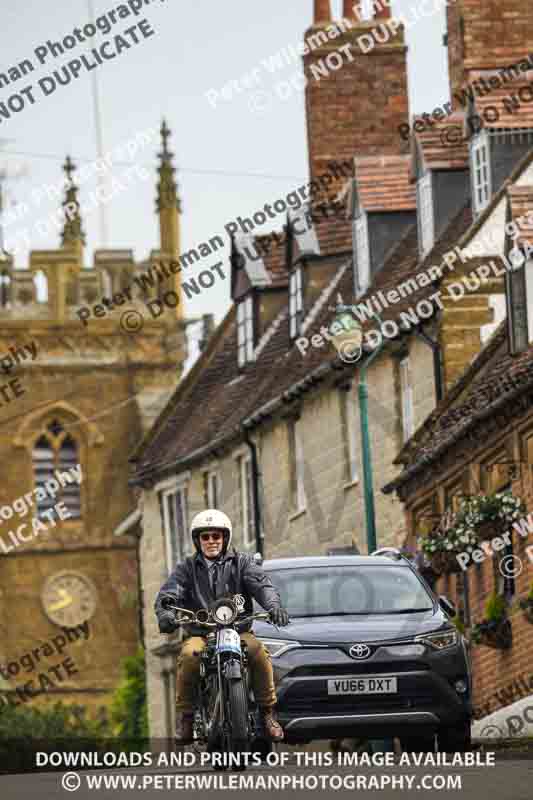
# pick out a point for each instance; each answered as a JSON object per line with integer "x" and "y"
{"x": 5, "y": 288}
{"x": 55, "y": 458}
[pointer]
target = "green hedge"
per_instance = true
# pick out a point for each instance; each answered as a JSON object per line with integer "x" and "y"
{"x": 25, "y": 730}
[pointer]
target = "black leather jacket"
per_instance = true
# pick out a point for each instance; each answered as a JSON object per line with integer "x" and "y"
{"x": 240, "y": 574}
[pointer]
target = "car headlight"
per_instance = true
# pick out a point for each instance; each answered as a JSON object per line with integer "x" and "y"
{"x": 439, "y": 640}
{"x": 276, "y": 647}
{"x": 405, "y": 650}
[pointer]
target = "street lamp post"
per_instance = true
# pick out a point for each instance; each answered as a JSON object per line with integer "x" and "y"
{"x": 351, "y": 336}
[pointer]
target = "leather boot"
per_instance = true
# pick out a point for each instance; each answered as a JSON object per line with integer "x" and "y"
{"x": 184, "y": 720}
{"x": 273, "y": 729}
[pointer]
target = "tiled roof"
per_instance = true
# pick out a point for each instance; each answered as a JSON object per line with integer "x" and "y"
{"x": 209, "y": 407}
{"x": 442, "y": 145}
{"x": 383, "y": 183}
{"x": 214, "y": 405}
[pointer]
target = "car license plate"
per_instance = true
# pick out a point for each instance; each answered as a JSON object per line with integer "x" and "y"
{"x": 367, "y": 685}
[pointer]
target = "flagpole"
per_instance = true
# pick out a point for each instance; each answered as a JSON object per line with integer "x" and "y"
{"x": 101, "y": 179}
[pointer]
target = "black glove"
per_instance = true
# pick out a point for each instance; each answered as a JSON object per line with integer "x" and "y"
{"x": 167, "y": 622}
{"x": 279, "y": 617}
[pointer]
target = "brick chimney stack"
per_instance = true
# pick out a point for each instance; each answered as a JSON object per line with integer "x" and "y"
{"x": 356, "y": 91}
{"x": 322, "y": 11}
{"x": 486, "y": 36}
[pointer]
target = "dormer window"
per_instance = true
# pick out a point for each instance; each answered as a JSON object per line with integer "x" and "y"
{"x": 480, "y": 168}
{"x": 296, "y": 304}
{"x": 245, "y": 331}
{"x": 426, "y": 221}
{"x": 362, "y": 254}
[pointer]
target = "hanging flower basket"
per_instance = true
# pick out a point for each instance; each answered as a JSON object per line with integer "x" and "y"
{"x": 445, "y": 563}
{"x": 488, "y": 515}
{"x": 489, "y": 529}
{"x": 478, "y": 518}
{"x": 497, "y": 634}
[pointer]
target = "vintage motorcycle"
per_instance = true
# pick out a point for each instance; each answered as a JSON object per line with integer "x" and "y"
{"x": 224, "y": 720}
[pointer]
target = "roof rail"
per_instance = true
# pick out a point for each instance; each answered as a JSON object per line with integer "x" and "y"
{"x": 390, "y": 552}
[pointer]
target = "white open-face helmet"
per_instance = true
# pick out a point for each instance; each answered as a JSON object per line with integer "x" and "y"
{"x": 208, "y": 520}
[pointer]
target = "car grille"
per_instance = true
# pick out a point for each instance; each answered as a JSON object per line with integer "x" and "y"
{"x": 311, "y": 697}
{"x": 355, "y": 668}
{"x": 348, "y": 704}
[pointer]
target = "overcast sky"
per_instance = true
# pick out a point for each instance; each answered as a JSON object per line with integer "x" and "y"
{"x": 232, "y": 159}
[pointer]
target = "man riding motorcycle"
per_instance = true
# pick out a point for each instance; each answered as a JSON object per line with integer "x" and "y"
{"x": 196, "y": 582}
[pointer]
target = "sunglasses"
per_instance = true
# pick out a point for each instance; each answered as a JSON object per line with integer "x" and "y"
{"x": 216, "y": 536}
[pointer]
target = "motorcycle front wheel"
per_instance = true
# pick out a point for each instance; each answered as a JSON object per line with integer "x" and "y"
{"x": 238, "y": 715}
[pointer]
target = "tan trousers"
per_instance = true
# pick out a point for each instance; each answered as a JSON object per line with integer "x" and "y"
{"x": 259, "y": 669}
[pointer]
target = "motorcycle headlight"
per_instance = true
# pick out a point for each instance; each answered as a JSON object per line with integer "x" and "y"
{"x": 276, "y": 647}
{"x": 440, "y": 640}
{"x": 224, "y": 614}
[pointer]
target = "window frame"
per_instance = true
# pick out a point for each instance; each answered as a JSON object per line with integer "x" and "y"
{"x": 245, "y": 330}
{"x": 296, "y": 304}
{"x": 70, "y": 495}
{"x": 407, "y": 399}
{"x": 297, "y": 468}
{"x": 480, "y": 162}
{"x": 426, "y": 214}
{"x": 246, "y": 491}
{"x": 349, "y": 433}
{"x": 362, "y": 253}
{"x": 212, "y": 488}
{"x": 175, "y": 551}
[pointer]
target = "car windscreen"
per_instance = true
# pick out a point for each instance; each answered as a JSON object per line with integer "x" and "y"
{"x": 317, "y": 591}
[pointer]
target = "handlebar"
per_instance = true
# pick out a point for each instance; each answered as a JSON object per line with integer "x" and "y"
{"x": 191, "y": 616}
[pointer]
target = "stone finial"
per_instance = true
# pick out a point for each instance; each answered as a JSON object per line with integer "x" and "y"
{"x": 167, "y": 189}
{"x": 72, "y": 232}
{"x": 322, "y": 11}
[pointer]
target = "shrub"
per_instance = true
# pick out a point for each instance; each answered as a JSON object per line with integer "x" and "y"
{"x": 129, "y": 718}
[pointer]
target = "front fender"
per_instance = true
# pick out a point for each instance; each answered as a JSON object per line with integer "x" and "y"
{"x": 232, "y": 669}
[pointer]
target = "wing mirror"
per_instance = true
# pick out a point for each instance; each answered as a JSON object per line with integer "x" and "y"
{"x": 447, "y": 606}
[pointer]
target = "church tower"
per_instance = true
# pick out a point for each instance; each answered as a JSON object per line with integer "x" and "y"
{"x": 84, "y": 370}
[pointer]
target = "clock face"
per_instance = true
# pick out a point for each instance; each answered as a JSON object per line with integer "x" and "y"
{"x": 69, "y": 598}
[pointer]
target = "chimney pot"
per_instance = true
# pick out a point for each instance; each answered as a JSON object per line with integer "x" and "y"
{"x": 381, "y": 9}
{"x": 347, "y": 9}
{"x": 322, "y": 11}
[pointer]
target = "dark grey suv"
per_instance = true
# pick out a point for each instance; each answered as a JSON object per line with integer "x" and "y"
{"x": 370, "y": 652}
